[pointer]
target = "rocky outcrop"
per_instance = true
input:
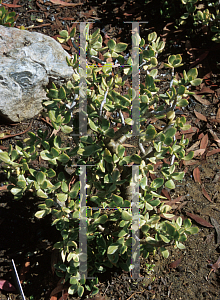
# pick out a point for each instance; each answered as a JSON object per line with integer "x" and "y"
{"x": 28, "y": 62}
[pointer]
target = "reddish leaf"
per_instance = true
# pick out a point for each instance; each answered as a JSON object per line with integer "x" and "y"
{"x": 204, "y": 142}
{"x": 67, "y": 18}
{"x": 203, "y": 101}
{"x": 11, "y": 5}
{"x": 64, "y": 296}
{"x": 206, "y": 90}
{"x": 199, "y": 220}
{"x": 65, "y": 47}
{"x": 174, "y": 201}
{"x": 196, "y": 175}
{"x": 175, "y": 264}
{"x": 5, "y": 285}
{"x": 200, "y": 116}
{"x": 212, "y": 152}
{"x": 191, "y": 130}
{"x": 3, "y": 188}
{"x": 206, "y": 194}
{"x": 166, "y": 194}
{"x": 198, "y": 152}
{"x": 216, "y": 265}
{"x": 190, "y": 162}
{"x": 59, "y": 2}
{"x": 193, "y": 147}
{"x": 215, "y": 137}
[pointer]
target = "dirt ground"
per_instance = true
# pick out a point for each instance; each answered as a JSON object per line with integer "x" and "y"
{"x": 184, "y": 275}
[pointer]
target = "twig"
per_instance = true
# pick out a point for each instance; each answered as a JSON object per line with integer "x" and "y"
{"x": 11, "y": 135}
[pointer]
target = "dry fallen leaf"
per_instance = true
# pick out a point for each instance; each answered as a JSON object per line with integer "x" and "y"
{"x": 200, "y": 116}
{"x": 204, "y": 142}
{"x": 199, "y": 220}
{"x": 196, "y": 175}
{"x": 175, "y": 264}
{"x": 206, "y": 194}
{"x": 203, "y": 101}
{"x": 217, "y": 228}
{"x": 213, "y": 152}
{"x": 59, "y": 2}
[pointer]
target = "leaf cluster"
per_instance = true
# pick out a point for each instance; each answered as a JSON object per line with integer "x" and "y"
{"x": 109, "y": 219}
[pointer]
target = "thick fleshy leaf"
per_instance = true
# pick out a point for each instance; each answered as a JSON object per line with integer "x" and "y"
{"x": 4, "y": 157}
{"x": 170, "y": 184}
{"x": 112, "y": 249}
{"x": 126, "y": 216}
{"x": 40, "y": 214}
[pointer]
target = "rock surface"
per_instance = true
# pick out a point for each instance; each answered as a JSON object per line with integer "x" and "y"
{"x": 28, "y": 62}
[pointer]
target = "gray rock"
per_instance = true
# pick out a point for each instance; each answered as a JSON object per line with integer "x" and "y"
{"x": 28, "y": 62}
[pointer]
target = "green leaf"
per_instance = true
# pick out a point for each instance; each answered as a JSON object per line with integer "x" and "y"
{"x": 187, "y": 223}
{"x": 92, "y": 125}
{"x": 192, "y": 230}
{"x": 53, "y": 94}
{"x": 148, "y": 54}
{"x": 112, "y": 249}
{"x": 41, "y": 194}
{"x": 94, "y": 291}
{"x": 120, "y": 47}
{"x": 192, "y": 72}
{"x": 180, "y": 245}
{"x": 118, "y": 200}
{"x": 101, "y": 220}
{"x": 126, "y": 216}
{"x": 156, "y": 183}
{"x": 136, "y": 159}
{"x": 170, "y": 229}
{"x": 182, "y": 103}
{"x": 80, "y": 290}
{"x": 110, "y": 133}
{"x": 164, "y": 252}
{"x": 152, "y": 37}
{"x": 170, "y": 132}
{"x": 49, "y": 202}
{"x": 170, "y": 184}
{"x": 73, "y": 289}
{"x": 64, "y": 187}
{"x": 178, "y": 175}
{"x": 111, "y": 44}
{"x": 74, "y": 190}
{"x": 40, "y": 214}
{"x": 62, "y": 197}
{"x": 189, "y": 156}
{"x": 181, "y": 90}
{"x": 64, "y": 158}
{"x": 196, "y": 81}
{"x": 64, "y": 34}
{"x": 129, "y": 121}
{"x": 4, "y": 157}
{"x": 40, "y": 177}
{"x": 66, "y": 129}
{"x": 16, "y": 191}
